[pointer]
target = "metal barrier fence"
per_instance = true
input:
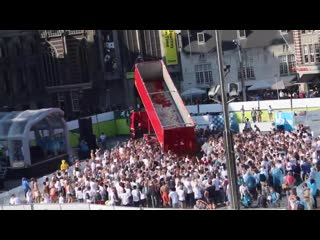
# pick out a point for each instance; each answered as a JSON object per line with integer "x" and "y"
{"x": 86, "y": 206}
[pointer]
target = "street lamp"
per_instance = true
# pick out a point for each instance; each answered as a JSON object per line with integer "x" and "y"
{"x": 237, "y": 43}
{"x": 231, "y": 164}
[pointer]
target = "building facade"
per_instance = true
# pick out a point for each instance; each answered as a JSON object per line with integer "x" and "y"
{"x": 143, "y": 45}
{"x": 21, "y": 71}
{"x": 267, "y": 56}
{"x": 307, "y": 50}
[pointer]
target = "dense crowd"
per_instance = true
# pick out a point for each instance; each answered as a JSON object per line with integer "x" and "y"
{"x": 137, "y": 173}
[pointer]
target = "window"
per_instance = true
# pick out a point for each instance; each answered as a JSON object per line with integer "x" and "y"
{"x": 201, "y": 39}
{"x": 307, "y": 31}
{"x": 285, "y": 47}
{"x": 311, "y": 53}
{"x": 61, "y": 100}
{"x": 84, "y": 62}
{"x": 2, "y": 52}
{"x": 306, "y": 53}
{"x": 317, "y": 50}
{"x": 248, "y": 70}
{"x": 291, "y": 63}
{"x": 283, "y": 65}
{"x": 75, "y": 101}
{"x": 242, "y": 33}
{"x": 203, "y": 74}
{"x": 287, "y": 62}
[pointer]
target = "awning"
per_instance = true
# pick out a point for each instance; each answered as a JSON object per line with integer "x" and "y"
{"x": 193, "y": 91}
{"x": 282, "y": 84}
{"x": 309, "y": 78}
{"x": 258, "y": 85}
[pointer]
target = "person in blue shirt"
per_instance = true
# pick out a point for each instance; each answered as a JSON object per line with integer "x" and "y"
{"x": 274, "y": 198}
{"x": 246, "y": 199}
{"x": 25, "y": 186}
{"x": 305, "y": 168}
{"x": 313, "y": 190}
{"x": 277, "y": 176}
{"x": 251, "y": 183}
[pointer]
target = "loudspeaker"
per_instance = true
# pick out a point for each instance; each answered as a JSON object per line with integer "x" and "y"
{"x": 86, "y": 133}
{"x": 85, "y": 128}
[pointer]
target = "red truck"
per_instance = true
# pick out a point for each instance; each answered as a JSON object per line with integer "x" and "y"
{"x": 165, "y": 113}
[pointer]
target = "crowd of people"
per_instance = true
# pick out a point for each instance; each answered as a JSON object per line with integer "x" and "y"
{"x": 137, "y": 173}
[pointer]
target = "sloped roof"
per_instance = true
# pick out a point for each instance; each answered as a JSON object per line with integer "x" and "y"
{"x": 254, "y": 39}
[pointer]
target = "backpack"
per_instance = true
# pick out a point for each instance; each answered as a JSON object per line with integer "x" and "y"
{"x": 262, "y": 177}
{"x": 251, "y": 182}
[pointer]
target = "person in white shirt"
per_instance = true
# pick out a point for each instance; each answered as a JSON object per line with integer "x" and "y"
{"x": 79, "y": 195}
{"x": 197, "y": 192}
{"x": 136, "y": 196}
{"x": 29, "y": 196}
{"x": 125, "y": 198}
{"x": 174, "y": 198}
{"x": 181, "y": 195}
{"x": 242, "y": 189}
{"x": 61, "y": 199}
{"x": 12, "y": 199}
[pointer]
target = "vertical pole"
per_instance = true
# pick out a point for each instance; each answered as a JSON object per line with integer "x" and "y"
{"x": 244, "y": 94}
{"x": 189, "y": 41}
{"x": 231, "y": 165}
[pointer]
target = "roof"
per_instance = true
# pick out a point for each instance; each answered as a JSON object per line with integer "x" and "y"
{"x": 15, "y": 124}
{"x": 254, "y": 39}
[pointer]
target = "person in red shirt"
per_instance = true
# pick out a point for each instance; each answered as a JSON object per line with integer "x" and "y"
{"x": 288, "y": 182}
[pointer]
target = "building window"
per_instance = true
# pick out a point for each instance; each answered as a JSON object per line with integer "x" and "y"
{"x": 291, "y": 63}
{"x": 285, "y": 47}
{"x": 306, "y": 53}
{"x": 75, "y": 101}
{"x": 248, "y": 70}
{"x": 307, "y": 31}
{"x": 203, "y": 74}
{"x": 287, "y": 62}
{"x": 201, "y": 39}
{"x": 317, "y": 50}
{"x": 50, "y": 64}
{"x": 83, "y": 54}
{"x": 6, "y": 83}
{"x": 312, "y": 54}
{"x": 283, "y": 65}
{"x": 2, "y": 52}
{"x": 242, "y": 33}
{"x": 61, "y": 100}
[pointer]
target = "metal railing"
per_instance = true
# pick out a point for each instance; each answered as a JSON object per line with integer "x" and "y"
{"x": 58, "y": 33}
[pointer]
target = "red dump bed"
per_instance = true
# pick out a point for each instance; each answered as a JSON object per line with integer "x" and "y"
{"x": 169, "y": 117}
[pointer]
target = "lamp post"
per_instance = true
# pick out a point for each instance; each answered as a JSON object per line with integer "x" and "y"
{"x": 231, "y": 163}
{"x": 237, "y": 42}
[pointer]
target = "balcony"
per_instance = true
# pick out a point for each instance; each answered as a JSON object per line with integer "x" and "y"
{"x": 69, "y": 87}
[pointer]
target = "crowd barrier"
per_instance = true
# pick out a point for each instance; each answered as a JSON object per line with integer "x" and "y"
{"x": 86, "y": 206}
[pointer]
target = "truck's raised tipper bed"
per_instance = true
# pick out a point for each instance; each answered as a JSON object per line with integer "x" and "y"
{"x": 168, "y": 115}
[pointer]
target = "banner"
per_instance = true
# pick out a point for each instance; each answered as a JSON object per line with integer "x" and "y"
{"x": 285, "y": 119}
{"x": 170, "y": 46}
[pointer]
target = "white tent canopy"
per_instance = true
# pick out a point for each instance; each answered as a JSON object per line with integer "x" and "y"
{"x": 259, "y": 85}
{"x": 193, "y": 91}
{"x": 22, "y": 131}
